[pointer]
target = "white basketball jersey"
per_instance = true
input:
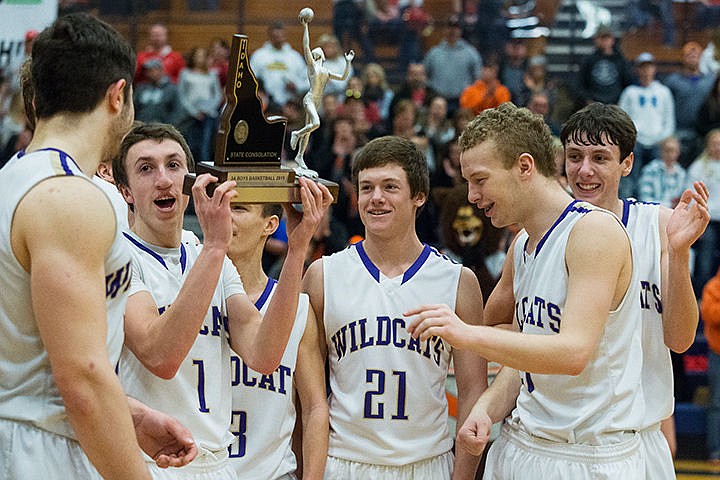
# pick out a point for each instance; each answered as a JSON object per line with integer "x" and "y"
{"x": 199, "y": 394}
{"x": 263, "y": 416}
{"x": 605, "y": 399}
{"x": 27, "y": 390}
{"x": 641, "y": 220}
{"x": 387, "y": 390}
{"x": 118, "y": 202}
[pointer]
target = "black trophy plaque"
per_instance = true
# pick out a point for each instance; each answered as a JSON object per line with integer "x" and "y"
{"x": 248, "y": 146}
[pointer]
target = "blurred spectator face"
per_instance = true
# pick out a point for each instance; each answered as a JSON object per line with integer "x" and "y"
{"x": 154, "y": 73}
{"x": 515, "y": 50}
{"x": 344, "y": 130}
{"x": 489, "y": 73}
{"x": 713, "y": 145}
{"x": 416, "y": 77}
{"x": 670, "y": 151}
{"x": 158, "y": 36}
{"x": 438, "y": 108}
{"x": 691, "y": 55}
{"x": 200, "y": 58}
{"x": 605, "y": 43}
{"x": 454, "y": 31}
{"x": 539, "y": 104}
{"x": 646, "y": 73}
{"x": 355, "y": 84}
{"x": 219, "y": 51}
{"x": 277, "y": 36}
{"x": 331, "y": 48}
{"x": 329, "y": 106}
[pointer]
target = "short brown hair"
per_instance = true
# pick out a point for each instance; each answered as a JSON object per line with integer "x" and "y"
{"x": 514, "y": 131}
{"x": 148, "y": 131}
{"x": 398, "y": 151}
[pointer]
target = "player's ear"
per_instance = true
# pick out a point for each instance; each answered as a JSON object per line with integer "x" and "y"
{"x": 116, "y": 95}
{"x": 628, "y": 164}
{"x": 526, "y": 164}
{"x": 127, "y": 194}
{"x": 271, "y": 225}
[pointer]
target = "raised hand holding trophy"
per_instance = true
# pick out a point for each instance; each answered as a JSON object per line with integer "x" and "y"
{"x": 249, "y": 146}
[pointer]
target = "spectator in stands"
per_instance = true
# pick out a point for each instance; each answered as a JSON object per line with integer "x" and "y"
{"x": 348, "y": 19}
{"x": 651, "y": 107}
{"x": 486, "y": 92}
{"x": 156, "y": 100}
{"x": 437, "y": 127}
{"x": 663, "y": 179}
{"x": 334, "y": 62}
{"x": 385, "y": 21}
{"x": 199, "y": 94}
{"x": 689, "y": 87}
{"x": 219, "y": 59}
{"x": 641, "y": 12}
{"x": 448, "y": 172}
{"x": 710, "y": 313}
{"x": 534, "y": 81}
{"x": 707, "y": 168}
{"x": 483, "y": 23}
{"x": 376, "y": 89}
{"x": 540, "y": 103}
{"x": 281, "y": 68}
{"x": 709, "y": 115}
{"x": 414, "y": 88}
{"x": 452, "y": 65}
{"x": 173, "y": 62}
{"x": 336, "y": 164}
{"x": 513, "y": 65}
{"x": 604, "y": 74}
{"x": 710, "y": 56}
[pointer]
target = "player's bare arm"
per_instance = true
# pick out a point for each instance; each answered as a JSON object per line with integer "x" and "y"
{"x": 162, "y": 341}
{"x": 679, "y": 229}
{"x": 310, "y": 382}
{"x": 68, "y": 293}
{"x": 470, "y": 368}
{"x": 259, "y": 340}
{"x": 597, "y": 256}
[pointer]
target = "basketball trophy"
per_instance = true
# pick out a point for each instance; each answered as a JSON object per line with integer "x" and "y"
{"x": 248, "y": 145}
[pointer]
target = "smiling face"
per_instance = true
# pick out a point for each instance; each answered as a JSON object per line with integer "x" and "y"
{"x": 490, "y": 185}
{"x": 594, "y": 171}
{"x": 155, "y": 174}
{"x": 384, "y": 199}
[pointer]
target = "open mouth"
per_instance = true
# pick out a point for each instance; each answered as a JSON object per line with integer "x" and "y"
{"x": 165, "y": 203}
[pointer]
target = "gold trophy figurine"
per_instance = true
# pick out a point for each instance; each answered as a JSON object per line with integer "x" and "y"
{"x": 318, "y": 75}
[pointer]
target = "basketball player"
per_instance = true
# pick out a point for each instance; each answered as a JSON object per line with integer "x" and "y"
{"x": 185, "y": 300}
{"x": 388, "y": 410}
{"x": 264, "y": 411}
{"x": 66, "y": 274}
{"x": 574, "y": 290}
{"x": 599, "y": 141}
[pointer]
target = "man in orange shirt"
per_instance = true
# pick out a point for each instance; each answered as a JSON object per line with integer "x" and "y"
{"x": 487, "y": 92}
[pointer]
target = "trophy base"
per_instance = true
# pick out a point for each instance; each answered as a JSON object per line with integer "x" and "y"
{"x": 257, "y": 184}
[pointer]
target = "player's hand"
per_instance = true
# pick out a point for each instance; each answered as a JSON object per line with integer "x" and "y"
{"x": 350, "y": 55}
{"x": 474, "y": 434}
{"x": 437, "y": 320}
{"x": 164, "y": 438}
{"x": 689, "y": 218}
{"x": 214, "y": 212}
{"x": 301, "y": 226}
